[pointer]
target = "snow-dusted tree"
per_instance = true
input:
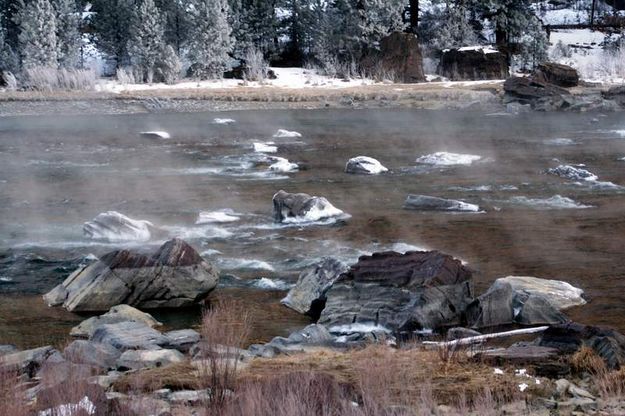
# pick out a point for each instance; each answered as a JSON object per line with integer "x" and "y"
{"x": 8, "y": 12}
{"x": 168, "y": 67}
{"x": 69, "y": 41}
{"x": 210, "y": 40}
{"x": 9, "y": 61}
{"x": 176, "y": 23}
{"x": 146, "y": 40}
{"x": 448, "y": 25}
{"x": 254, "y": 26}
{"x": 377, "y": 18}
{"x": 111, "y": 21}
{"x": 37, "y": 38}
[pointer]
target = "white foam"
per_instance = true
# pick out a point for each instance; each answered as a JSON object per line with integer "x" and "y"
{"x": 322, "y": 209}
{"x": 220, "y": 216}
{"x": 224, "y": 121}
{"x": 283, "y": 165}
{"x": 243, "y": 264}
{"x": 265, "y": 147}
{"x": 560, "y": 142}
{"x": 555, "y": 202}
{"x": 114, "y": 226}
{"x": 271, "y": 284}
{"x": 210, "y": 252}
{"x": 205, "y": 231}
{"x": 448, "y": 159}
{"x": 404, "y": 248}
{"x": 156, "y": 134}
{"x": 4, "y": 279}
{"x": 358, "y": 328}
{"x": 286, "y": 133}
{"x": 91, "y": 257}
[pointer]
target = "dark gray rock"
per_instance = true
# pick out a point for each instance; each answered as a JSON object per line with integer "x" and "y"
{"x": 130, "y": 336}
{"x": 29, "y": 362}
{"x": 473, "y": 64}
{"x": 431, "y": 203}
{"x": 302, "y": 207}
{"x": 311, "y": 336}
{"x": 616, "y": 94}
{"x": 393, "y": 292}
{"x": 174, "y": 276}
{"x": 308, "y": 294}
{"x": 557, "y": 74}
{"x": 399, "y": 54}
{"x": 459, "y": 333}
{"x": 92, "y": 353}
{"x": 540, "y": 95}
{"x": 182, "y": 340}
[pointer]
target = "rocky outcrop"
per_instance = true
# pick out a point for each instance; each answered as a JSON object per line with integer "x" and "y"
{"x": 399, "y": 56}
{"x": 524, "y": 301}
{"x": 539, "y": 95}
{"x": 295, "y": 208}
{"x": 140, "y": 359}
{"x": 364, "y": 165}
{"x": 182, "y": 339}
{"x": 431, "y": 203}
{"x": 392, "y": 292}
{"x": 113, "y": 226}
{"x": 94, "y": 354}
{"x": 174, "y": 276}
{"x": 29, "y": 362}
{"x": 311, "y": 336}
{"x": 568, "y": 338}
{"x": 468, "y": 64}
{"x": 557, "y": 74}
{"x": 130, "y": 336}
{"x": 118, "y": 313}
{"x": 308, "y": 294}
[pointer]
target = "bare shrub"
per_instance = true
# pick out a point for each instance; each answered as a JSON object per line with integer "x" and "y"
{"x": 485, "y": 404}
{"x": 611, "y": 385}
{"x": 12, "y": 400}
{"x": 256, "y": 67}
{"x": 52, "y": 79}
{"x": 125, "y": 76}
{"x": 225, "y": 329}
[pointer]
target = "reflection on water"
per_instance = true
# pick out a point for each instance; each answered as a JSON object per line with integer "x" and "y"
{"x": 58, "y": 172}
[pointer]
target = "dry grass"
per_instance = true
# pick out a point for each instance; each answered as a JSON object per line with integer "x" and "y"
{"x": 12, "y": 401}
{"x": 179, "y": 376}
{"x": 611, "y": 385}
{"x": 586, "y": 360}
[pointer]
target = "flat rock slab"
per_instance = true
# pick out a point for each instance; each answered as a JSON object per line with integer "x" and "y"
{"x": 130, "y": 336}
{"x": 119, "y": 313}
{"x": 560, "y": 294}
{"x": 30, "y": 361}
{"x": 140, "y": 359}
{"x": 183, "y": 339}
{"x": 92, "y": 353}
{"x": 530, "y": 354}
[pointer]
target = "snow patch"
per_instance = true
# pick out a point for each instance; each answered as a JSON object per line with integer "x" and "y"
{"x": 358, "y": 328}
{"x": 281, "y": 133}
{"x": 555, "y": 202}
{"x": 221, "y": 216}
{"x": 83, "y": 406}
{"x": 267, "y": 147}
{"x": 224, "y": 121}
{"x": 448, "y": 159}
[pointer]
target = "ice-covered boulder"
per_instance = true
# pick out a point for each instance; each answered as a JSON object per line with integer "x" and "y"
{"x": 173, "y": 276}
{"x": 364, "y": 165}
{"x": 268, "y": 147}
{"x": 113, "y": 226}
{"x": 392, "y": 292}
{"x": 302, "y": 208}
{"x": 573, "y": 173}
{"x": 448, "y": 159}
{"x": 282, "y": 133}
{"x": 308, "y": 294}
{"x": 281, "y": 164}
{"x": 431, "y": 203}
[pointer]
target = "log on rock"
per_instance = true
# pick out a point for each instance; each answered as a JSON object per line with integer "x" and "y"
{"x": 481, "y": 338}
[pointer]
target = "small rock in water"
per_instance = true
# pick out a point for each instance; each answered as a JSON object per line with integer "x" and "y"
{"x": 156, "y": 134}
{"x": 268, "y": 147}
{"x": 113, "y": 226}
{"x": 364, "y": 165}
{"x": 573, "y": 173}
{"x": 283, "y": 165}
{"x": 302, "y": 208}
{"x": 286, "y": 133}
{"x": 431, "y": 203}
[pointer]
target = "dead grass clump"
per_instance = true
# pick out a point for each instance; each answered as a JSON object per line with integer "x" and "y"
{"x": 586, "y": 360}
{"x": 179, "y": 376}
{"x": 611, "y": 385}
{"x": 12, "y": 400}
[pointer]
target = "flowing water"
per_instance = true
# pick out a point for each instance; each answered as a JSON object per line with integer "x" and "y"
{"x": 58, "y": 172}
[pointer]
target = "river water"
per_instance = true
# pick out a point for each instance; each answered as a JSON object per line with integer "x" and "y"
{"x": 58, "y": 172}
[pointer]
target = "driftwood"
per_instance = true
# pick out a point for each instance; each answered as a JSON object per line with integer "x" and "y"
{"x": 481, "y": 338}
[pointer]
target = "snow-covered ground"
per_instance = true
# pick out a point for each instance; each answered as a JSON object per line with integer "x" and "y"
{"x": 286, "y": 78}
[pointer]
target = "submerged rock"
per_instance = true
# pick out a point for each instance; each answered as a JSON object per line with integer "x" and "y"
{"x": 573, "y": 173}
{"x": 113, "y": 226}
{"x": 390, "y": 292}
{"x": 174, "y": 276}
{"x": 130, "y": 336}
{"x": 294, "y": 208}
{"x": 308, "y": 294}
{"x": 431, "y": 203}
{"x": 523, "y": 300}
{"x": 118, "y": 313}
{"x": 364, "y": 165}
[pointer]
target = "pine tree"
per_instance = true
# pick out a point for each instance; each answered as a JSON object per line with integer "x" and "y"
{"x": 69, "y": 39}
{"x": 168, "y": 67}
{"x": 111, "y": 22}
{"x": 210, "y": 39}
{"x": 8, "y": 23}
{"x": 146, "y": 40}
{"x": 377, "y": 19}
{"x": 254, "y": 26}
{"x": 449, "y": 25}
{"x": 37, "y": 38}
{"x": 9, "y": 61}
{"x": 176, "y": 23}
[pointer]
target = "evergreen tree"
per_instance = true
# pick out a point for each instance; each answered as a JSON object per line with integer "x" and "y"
{"x": 210, "y": 41}
{"x": 146, "y": 40}
{"x": 176, "y": 23}
{"x": 9, "y": 61}
{"x": 254, "y": 26}
{"x": 449, "y": 25}
{"x": 69, "y": 40}
{"x": 37, "y": 37}
{"x": 168, "y": 67}
{"x": 111, "y": 22}
{"x": 8, "y": 22}
{"x": 377, "y": 19}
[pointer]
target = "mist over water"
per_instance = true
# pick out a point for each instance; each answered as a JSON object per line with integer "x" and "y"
{"x": 58, "y": 172}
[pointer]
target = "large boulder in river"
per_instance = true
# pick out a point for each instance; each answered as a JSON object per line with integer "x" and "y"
{"x": 113, "y": 226}
{"x": 400, "y": 56}
{"x": 557, "y": 74}
{"x": 523, "y": 300}
{"x": 308, "y": 294}
{"x": 296, "y": 208}
{"x": 473, "y": 63}
{"x": 174, "y": 276}
{"x": 364, "y": 165}
{"x": 118, "y": 313}
{"x": 539, "y": 95}
{"x": 432, "y": 203}
{"x": 393, "y": 292}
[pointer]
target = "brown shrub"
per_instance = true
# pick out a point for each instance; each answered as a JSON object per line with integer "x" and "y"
{"x": 587, "y": 360}
{"x": 12, "y": 400}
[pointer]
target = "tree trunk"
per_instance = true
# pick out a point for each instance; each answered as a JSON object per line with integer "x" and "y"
{"x": 414, "y": 15}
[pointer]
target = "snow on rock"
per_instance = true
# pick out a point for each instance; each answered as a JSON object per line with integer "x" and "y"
{"x": 243, "y": 264}
{"x": 573, "y": 173}
{"x": 555, "y": 202}
{"x": 364, "y": 164}
{"x": 283, "y": 165}
{"x": 221, "y": 216}
{"x": 448, "y": 159}
{"x": 267, "y": 147}
{"x": 224, "y": 121}
{"x": 358, "y": 328}
{"x": 271, "y": 284}
{"x": 114, "y": 226}
{"x": 561, "y": 295}
{"x": 84, "y": 406}
{"x": 286, "y": 133}
{"x": 156, "y": 134}
{"x": 302, "y": 208}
